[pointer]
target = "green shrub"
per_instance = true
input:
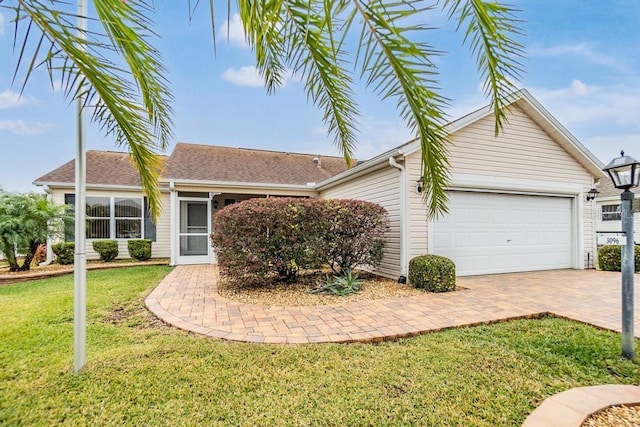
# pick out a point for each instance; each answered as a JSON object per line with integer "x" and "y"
{"x": 434, "y": 273}
{"x": 139, "y": 249}
{"x": 107, "y": 249}
{"x": 64, "y": 252}
{"x": 610, "y": 258}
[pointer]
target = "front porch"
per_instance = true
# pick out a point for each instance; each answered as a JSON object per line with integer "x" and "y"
{"x": 192, "y": 214}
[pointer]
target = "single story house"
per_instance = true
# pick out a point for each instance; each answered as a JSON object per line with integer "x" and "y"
{"x": 516, "y": 201}
{"x": 608, "y": 213}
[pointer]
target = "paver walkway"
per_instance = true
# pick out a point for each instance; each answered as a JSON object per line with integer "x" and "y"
{"x": 188, "y": 299}
{"x": 571, "y": 408}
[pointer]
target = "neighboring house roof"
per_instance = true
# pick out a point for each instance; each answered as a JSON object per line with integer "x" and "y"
{"x": 214, "y": 163}
{"x": 608, "y": 191}
{"x": 191, "y": 162}
{"x": 103, "y": 168}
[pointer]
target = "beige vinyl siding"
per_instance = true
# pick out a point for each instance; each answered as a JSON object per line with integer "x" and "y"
{"x": 161, "y": 248}
{"x": 588, "y": 227}
{"x": 417, "y": 223}
{"x": 381, "y": 187}
{"x": 523, "y": 150}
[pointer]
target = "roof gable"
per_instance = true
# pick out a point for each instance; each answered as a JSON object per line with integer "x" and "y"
{"x": 525, "y": 102}
{"x": 521, "y": 100}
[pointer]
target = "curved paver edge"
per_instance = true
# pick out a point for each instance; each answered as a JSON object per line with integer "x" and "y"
{"x": 571, "y": 408}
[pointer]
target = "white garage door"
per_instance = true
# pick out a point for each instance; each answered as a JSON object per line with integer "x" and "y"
{"x": 486, "y": 233}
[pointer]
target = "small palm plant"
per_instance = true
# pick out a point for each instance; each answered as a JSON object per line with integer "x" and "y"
{"x": 345, "y": 284}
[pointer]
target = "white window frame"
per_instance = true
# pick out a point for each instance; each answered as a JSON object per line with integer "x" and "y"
{"x": 606, "y": 216}
{"x": 112, "y": 217}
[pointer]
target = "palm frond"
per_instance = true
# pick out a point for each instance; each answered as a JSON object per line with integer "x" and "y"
{"x": 262, "y": 26}
{"x": 298, "y": 34}
{"x": 115, "y": 71}
{"x": 490, "y": 28}
{"x": 399, "y": 68}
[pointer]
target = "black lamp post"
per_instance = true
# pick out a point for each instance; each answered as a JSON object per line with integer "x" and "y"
{"x": 625, "y": 174}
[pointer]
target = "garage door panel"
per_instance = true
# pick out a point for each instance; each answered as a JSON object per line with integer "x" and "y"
{"x": 497, "y": 233}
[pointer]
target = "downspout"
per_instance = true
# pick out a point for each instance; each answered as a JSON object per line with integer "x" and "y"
{"x": 403, "y": 220}
{"x": 172, "y": 213}
{"x": 594, "y": 231}
{"x": 49, "y": 259}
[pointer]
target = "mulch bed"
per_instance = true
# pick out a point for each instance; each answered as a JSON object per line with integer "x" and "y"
{"x": 298, "y": 294}
{"x": 615, "y": 416}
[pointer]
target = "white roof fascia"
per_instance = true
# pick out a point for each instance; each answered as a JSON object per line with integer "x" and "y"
{"x": 453, "y": 126}
{"x": 249, "y": 185}
{"x": 573, "y": 146}
{"x": 376, "y": 163}
{"x": 92, "y": 186}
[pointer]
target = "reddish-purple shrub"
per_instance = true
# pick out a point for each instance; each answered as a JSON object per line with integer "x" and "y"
{"x": 354, "y": 234}
{"x": 41, "y": 253}
{"x": 261, "y": 236}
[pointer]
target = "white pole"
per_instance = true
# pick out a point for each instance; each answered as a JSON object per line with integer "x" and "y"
{"x": 627, "y": 267}
{"x": 80, "y": 256}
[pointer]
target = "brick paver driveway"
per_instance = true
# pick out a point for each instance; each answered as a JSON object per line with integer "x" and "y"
{"x": 187, "y": 298}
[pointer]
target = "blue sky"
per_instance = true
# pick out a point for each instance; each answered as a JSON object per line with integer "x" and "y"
{"x": 582, "y": 64}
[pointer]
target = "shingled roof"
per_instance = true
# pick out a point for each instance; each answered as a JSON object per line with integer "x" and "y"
{"x": 606, "y": 189}
{"x": 214, "y": 163}
{"x": 103, "y": 168}
{"x": 191, "y": 162}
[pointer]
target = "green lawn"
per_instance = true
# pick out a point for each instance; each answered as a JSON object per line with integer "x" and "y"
{"x": 142, "y": 373}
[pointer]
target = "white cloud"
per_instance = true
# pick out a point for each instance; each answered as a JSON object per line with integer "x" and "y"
{"x": 578, "y": 88}
{"x": 582, "y": 103}
{"x": 604, "y": 118}
{"x": 10, "y": 99}
{"x": 244, "y": 76}
{"x": 19, "y": 127}
{"x": 1, "y": 24}
{"x": 582, "y": 50}
{"x": 233, "y": 32}
{"x": 248, "y": 75}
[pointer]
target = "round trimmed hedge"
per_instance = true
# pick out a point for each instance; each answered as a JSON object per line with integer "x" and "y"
{"x": 610, "y": 258}
{"x": 434, "y": 273}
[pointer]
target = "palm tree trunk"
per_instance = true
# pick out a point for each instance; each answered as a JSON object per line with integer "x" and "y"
{"x": 26, "y": 264}
{"x": 11, "y": 259}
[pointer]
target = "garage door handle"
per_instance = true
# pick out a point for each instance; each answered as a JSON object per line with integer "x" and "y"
{"x": 508, "y": 240}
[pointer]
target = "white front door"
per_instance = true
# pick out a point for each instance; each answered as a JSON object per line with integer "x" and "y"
{"x": 486, "y": 233}
{"x": 194, "y": 245}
